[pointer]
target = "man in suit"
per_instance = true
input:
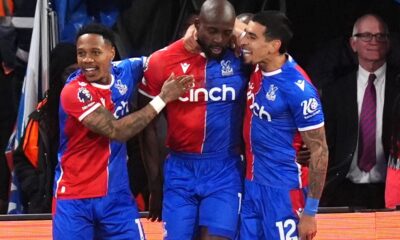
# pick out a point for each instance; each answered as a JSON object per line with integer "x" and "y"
{"x": 358, "y": 143}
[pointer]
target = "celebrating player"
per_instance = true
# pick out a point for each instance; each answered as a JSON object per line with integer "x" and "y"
{"x": 202, "y": 174}
{"x": 92, "y": 195}
{"x": 280, "y": 101}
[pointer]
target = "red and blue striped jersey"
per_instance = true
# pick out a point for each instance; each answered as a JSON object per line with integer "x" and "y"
{"x": 91, "y": 165}
{"x": 279, "y": 104}
{"x": 208, "y": 118}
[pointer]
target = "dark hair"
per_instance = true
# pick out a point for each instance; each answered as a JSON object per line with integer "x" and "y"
{"x": 245, "y": 17}
{"x": 278, "y": 27}
{"x": 97, "y": 28}
{"x": 62, "y": 56}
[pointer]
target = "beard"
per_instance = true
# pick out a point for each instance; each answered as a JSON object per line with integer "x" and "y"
{"x": 207, "y": 50}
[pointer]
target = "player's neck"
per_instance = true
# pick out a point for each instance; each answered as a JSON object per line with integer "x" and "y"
{"x": 275, "y": 63}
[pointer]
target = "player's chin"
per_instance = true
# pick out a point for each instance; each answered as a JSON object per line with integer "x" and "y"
{"x": 247, "y": 59}
{"x": 92, "y": 78}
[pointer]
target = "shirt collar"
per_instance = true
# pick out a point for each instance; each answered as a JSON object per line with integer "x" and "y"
{"x": 364, "y": 74}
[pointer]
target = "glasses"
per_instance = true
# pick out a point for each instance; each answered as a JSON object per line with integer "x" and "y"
{"x": 367, "y": 37}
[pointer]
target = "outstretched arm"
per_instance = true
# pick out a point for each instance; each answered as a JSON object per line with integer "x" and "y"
{"x": 315, "y": 140}
{"x": 103, "y": 122}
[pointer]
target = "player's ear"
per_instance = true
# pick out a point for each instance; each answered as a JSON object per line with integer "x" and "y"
{"x": 276, "y": 45}
{"x": 112, "y": 53}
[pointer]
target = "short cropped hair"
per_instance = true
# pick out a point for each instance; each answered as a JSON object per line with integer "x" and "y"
{"x": 97, "y": 28}
{"x": 278, "y": 27}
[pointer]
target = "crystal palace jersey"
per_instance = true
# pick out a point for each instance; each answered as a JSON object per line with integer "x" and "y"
{"x": 91, "y": 165}
{"x": 279, "y": 104}
{"x": 208, "y": 118}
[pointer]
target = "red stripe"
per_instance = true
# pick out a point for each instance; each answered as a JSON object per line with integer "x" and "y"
{"x": 254, "y": 87}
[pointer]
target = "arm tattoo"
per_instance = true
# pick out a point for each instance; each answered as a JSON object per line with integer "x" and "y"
{"x": 103, "y": 122}
{"x": 316, "y": 142}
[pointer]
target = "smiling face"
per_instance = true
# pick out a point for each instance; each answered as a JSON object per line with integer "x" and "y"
{"x": 256, "y": 48}
{"x": 94, "y": 56}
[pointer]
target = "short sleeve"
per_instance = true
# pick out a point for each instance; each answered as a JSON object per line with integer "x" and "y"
{"x": 305, "y": 105}
{"x": 78, "y": 101}
{"x": 154, "y": 75}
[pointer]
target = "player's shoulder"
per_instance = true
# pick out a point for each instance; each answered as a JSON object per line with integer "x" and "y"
{"x": 170, "y": 51}
{"x": 168, "y": 58}
{"x": 128, "y": 62}
{"x": 75, "y": 85}
{"x": 75, "y": 80}
{"x": 129, "y": 65}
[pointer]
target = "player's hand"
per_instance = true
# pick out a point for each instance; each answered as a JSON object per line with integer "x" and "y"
{"x": 303, "y": 156}
{"x": 155, "y": 203}
{"x": 307, "y": 227}
{"x": 235, "y": 45}
{"x": 175, "y": 87}
{"x": 190, "y": 40}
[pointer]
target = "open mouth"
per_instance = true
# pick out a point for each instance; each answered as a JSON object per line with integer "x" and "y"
{"x": 246, "y": 52}
{"x": 216, "y": 50}
{"x": 89, "y": 70}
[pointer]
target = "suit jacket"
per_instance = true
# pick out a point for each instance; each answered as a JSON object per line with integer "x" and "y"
{"x": 341, "y": 122}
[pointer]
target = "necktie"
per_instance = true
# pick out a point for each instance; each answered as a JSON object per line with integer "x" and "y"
{"x": 367, "y": 132}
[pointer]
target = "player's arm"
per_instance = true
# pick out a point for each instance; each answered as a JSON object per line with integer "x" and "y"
{"x": 153, "y": 163}
{"x": 103, "y": 122}
{"x": 315, "y": 140}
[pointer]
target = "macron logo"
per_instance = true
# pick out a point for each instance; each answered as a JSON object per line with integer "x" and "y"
{"x": 300, "y": 84}
{"x": 185, "y": 67}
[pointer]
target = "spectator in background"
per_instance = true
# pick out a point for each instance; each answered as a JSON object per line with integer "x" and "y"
{"x": 354, "y": 134}
{"x": 36, "y": 178}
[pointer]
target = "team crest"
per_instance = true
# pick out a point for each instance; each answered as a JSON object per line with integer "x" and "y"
{"x": 122, "y": 88}
{"x": 227, "y": 69}
{"x": 271, "y": 94}
{"x": 84, "y": 95}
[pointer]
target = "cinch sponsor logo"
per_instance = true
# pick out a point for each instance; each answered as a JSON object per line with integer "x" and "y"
{"x": 260, "y": 112}
{"x": 121, "y": 110}
{"x": 257, "y": 110}
{"x": 214, "y": 94}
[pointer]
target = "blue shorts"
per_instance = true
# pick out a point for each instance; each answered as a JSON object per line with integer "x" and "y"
{"x": 114, "y": 216}
{"x": 270, "y": 212}
{"x": 201, "y": 190}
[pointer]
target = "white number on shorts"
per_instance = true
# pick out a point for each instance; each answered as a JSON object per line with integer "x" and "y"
{"x": 240, "y": 201}
{"x": 290, "y": 227}
{"x": 137, "y": 221}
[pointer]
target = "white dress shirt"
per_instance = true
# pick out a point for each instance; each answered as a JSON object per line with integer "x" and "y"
{"x": 378, "y": 172}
